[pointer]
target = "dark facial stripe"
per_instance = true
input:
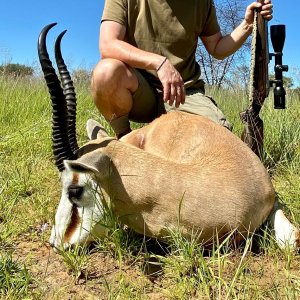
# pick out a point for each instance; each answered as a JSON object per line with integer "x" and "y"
{"x": 75, "y": 222}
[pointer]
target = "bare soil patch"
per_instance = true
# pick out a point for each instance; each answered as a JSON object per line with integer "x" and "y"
{"x": 99, "y": 280}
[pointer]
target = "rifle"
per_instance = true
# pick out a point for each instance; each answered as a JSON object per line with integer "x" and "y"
{"x": 259, "y": 84}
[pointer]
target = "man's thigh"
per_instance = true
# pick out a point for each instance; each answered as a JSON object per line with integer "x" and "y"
{"x": 199, "y": 104}
{"x": 147, "y": 104}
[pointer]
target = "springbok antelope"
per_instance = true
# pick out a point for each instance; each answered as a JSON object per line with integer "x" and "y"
{"x": 181, "y": 169}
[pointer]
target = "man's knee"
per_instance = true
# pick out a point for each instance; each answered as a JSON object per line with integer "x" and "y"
{"x": 112, "y": 85}
{"x": 112, "y": 74}
{"x": 106, "y": 72}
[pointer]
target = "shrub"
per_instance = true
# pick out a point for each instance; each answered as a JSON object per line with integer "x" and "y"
{"x": 16, "y": 70}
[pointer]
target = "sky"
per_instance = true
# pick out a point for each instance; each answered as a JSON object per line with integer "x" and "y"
{"x": 21, "y": 22}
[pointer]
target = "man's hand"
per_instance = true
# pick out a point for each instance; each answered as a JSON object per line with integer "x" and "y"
{"x": 266, "y": 11}
{"x": 173, "y": 85}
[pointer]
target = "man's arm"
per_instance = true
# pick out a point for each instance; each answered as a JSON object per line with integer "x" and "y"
{"x": 112, "y": 45}
{"x": 222, "y": 46}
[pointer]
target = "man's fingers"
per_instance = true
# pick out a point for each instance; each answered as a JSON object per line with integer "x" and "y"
{"x": 166, "y": 92}
{"x": 173, "y": 95}
{"x": 267, "y": 11}
{"x": 178, "y": 96}
{"x": 183, "y": 95}
{"x": 173, "y": 85}
{"x": 267, "y": 16}
{"x": 267, "y": 8}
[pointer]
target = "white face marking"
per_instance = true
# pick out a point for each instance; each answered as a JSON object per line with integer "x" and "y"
{"x": 88, "y": 212}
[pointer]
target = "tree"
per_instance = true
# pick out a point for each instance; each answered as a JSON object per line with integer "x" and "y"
{"x": 288, "y": 82}
{"x": 16, "y": 70}
{"x": 216, "y": 72}
{"x": 81, "y": 76}
{"x": 296, "y": 92}
{"x": 239, "y": 77}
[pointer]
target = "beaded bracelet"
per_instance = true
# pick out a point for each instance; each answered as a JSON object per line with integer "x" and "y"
{"x": 158, "y": 68}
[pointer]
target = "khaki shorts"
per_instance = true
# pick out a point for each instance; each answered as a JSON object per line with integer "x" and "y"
{"x": 148, "y": 104}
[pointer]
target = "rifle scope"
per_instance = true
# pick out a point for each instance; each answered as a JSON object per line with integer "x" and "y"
{"x": 278, "y": 39}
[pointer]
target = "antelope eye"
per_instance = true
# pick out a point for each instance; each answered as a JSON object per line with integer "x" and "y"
{"x": 75, "y": 191}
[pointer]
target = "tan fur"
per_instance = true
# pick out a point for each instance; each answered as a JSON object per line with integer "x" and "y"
{"x": 190, "y": 170}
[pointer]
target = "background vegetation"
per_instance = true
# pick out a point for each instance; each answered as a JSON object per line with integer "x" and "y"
{"x": 125, "y": 266}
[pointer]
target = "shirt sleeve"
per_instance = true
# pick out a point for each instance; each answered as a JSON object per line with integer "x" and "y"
{"x": 211, "y": 25}
{"x": 115, "y": 10}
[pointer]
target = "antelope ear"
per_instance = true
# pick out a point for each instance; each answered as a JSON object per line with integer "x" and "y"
{"x": 79, "y": 166}
{"x": 93, "y": 146}
{"x": 94, "y": 162}
{"x": 95, "y": 130}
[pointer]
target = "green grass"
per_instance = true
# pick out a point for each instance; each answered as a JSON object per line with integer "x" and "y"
{"x": 14, "y": 277}
{"x": 30, "y": 188}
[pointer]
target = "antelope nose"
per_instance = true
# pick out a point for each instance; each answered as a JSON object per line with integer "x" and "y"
{"x": 75, "y": 191}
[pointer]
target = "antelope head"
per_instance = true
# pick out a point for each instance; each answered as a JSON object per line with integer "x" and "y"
{"x": 79, "y": 209}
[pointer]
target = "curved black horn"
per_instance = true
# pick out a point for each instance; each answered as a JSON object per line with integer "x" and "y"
{"x": 69, "y": 92}
{"x": 61, "y": 146}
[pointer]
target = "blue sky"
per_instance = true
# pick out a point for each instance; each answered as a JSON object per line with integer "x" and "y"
{"x": 21, "y": 22}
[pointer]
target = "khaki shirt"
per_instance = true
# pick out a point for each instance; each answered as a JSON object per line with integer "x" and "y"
{"x": 166, "y": 27}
